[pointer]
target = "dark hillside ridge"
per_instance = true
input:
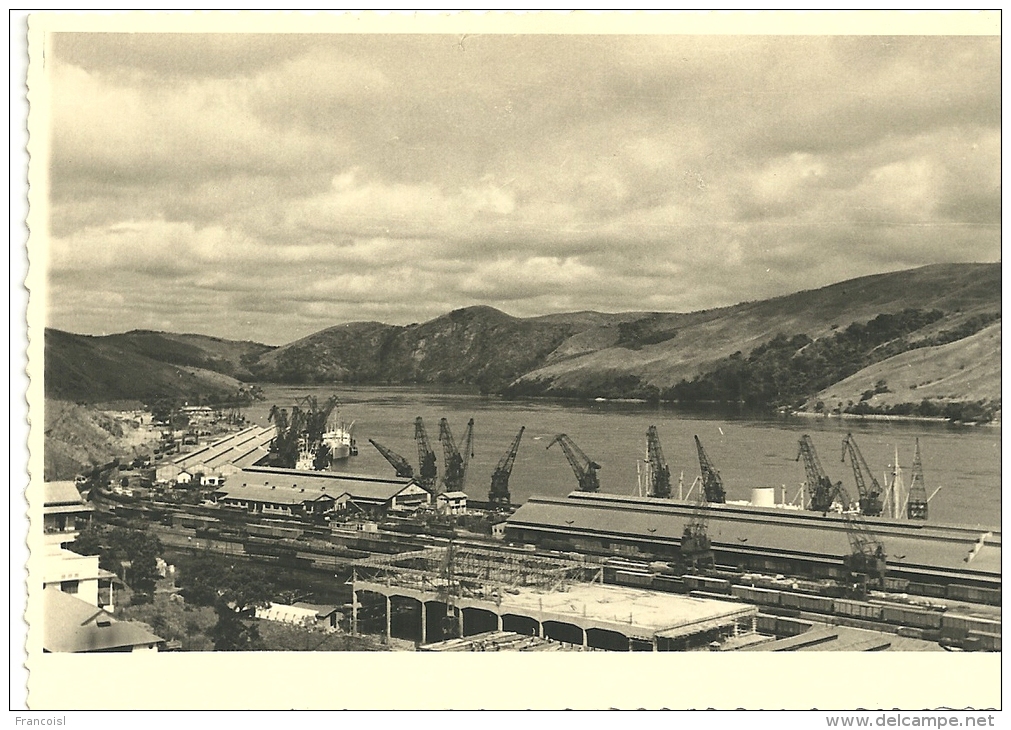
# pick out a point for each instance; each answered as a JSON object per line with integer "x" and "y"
{"x": 579, "y": 354}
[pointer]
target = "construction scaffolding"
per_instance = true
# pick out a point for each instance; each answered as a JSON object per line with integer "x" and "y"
{"x": 472, "y": 572}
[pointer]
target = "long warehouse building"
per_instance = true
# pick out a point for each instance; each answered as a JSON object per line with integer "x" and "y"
{"x": 757, "y": 538}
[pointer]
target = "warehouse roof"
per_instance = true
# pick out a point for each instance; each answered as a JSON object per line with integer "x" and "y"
{"x": 276, "y": 494}
{"x": 226, "y": 449}
{"x": 358, "y": 486}
{"x": 763, "y": 530}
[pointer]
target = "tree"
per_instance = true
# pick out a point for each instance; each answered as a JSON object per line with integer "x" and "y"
{"x": 233, "y": 589}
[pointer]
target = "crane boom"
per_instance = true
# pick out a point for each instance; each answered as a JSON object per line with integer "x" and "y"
{"x": 468, "y": 449}
{"x": 712, "y": 483}
{"x": 696, "y": 549}
{"x": 819, "y": 486}
{"x": 583, "y": 467}
{"x": 867, "y": 558}
{"x": 427, "y": 469}
{"x": 659, "y": 472}
{"x": 398, "y": 462}
{"x": 455, "y": 465}
{"x": 869, "y": 497}
{"x": 916, "y": 505}
{"x": 499, "y": 495}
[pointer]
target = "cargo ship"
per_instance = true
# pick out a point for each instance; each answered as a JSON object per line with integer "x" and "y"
{"x": 340, "y": 439}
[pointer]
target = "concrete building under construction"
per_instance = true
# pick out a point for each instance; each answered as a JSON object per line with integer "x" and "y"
{"x": 450, "y": 592}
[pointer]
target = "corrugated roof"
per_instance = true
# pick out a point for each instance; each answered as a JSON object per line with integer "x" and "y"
{"x": 72, "y": 625}
{"x": 238, "y": 443}
{"x": 277, "y": 494}
{"x": 358, "y": 486}
{"x": 62, "y": 493}
{"x": 758, "y": 530}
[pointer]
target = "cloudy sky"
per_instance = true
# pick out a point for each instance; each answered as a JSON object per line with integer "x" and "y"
{"x": 267, "y": 186}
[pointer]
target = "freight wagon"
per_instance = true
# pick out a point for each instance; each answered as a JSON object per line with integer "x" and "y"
{"x": 972, "y": 594}
{"x": 637, "y": 578}
{"x": 904, "y": 616}
{"x": 668, "y": 584}
{"x": 953, "y": 624}
{"x": 761, "y": 596}
{"x": 857, "y": 609}
{"x": 712, "y": 596}
{"x": 805, "y": 602}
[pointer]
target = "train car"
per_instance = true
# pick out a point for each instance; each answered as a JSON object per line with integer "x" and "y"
{"x": 637, "y": 578}
{"x": 930, "y": 590}
{"x": 760, "y": 596}
{"x": 972, "y": 594}
{"x": 909, "y": 632}
{"x": 857, "y": 609}
{"x": 896, "y": 585}
{"x": 955, "y": 623}
{"x": 712, "y": 596}
{"x": 987, "y": 641}
{"x": 806, "y": 602}
{"x": 906, "y": 616}
{"x": 714, "y": 585}
{"x": 668, "y": 584}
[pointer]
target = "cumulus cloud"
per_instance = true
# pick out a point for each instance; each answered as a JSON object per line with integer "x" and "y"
{"x": 267, "y": 186}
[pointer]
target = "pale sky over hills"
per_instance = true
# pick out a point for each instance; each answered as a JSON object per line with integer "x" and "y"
{"x": 267, "y": 186}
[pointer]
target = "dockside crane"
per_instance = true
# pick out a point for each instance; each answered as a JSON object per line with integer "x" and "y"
{"x": 427, "y": 469}
{"x": 288, "y": 429}
{"x": 583, "y": 467}
{"x": 819, "y": 486}
{"x": 696, "y": 550}
{"x": 659, "y": 472}
{"x": 866, "y": 561}
{"x": 869, "y": 496}
{"x": 455, "y": 464}
{"x": 916, "y": 505}
{"x": 712, "y": 483}
{"x": 499, "y": 495}
{"x": 398, "y": 462}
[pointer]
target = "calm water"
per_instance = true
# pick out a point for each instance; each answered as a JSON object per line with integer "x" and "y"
{"x": 748, "y": 451}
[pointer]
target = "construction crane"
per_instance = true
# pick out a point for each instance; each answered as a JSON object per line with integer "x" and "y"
{"x": 498, "y": 495}
{"x": 869, "y": 497}
{"x": 696, "y": 550}
{"x": 712, "y": 483}
{"x": 448, "y": 592}
{"x": 583, "y": 467}
{"x": 819, "y": 486}
{"x": 398, "y": 462}
{"x": 658, "y": 482}
{"x": 427, "y": 469}
{"x": 866, "y": 562}
{"x": 916, "y": 503}
{"x": 468, "y": 450}
{"x": 455, "y": 464}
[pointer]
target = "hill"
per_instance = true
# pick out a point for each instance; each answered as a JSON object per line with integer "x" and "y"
{"x": 656, "y": 351}
{"x": 967, "y": 370}
{"x": 473, "y": 346}
{"x": 136, "y": 366}
{"x": 775, "y": 352}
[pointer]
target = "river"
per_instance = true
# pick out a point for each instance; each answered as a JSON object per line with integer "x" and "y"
{"x": 748, "y": 451}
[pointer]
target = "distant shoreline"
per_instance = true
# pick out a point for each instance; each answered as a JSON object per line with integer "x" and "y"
{"x": 890, "y": 417}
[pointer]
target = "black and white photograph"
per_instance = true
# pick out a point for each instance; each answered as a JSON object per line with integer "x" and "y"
{"x": 473, "y": 334}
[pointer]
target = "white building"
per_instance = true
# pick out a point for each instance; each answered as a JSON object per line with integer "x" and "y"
{"x": 64, "y": 515}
